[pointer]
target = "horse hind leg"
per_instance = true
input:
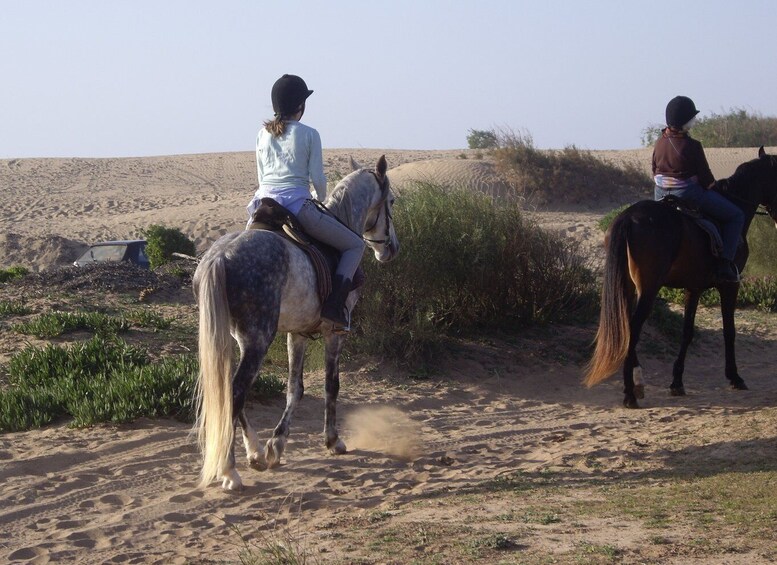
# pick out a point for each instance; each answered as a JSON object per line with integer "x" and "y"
{"x": 247, "y": 370}
{"x": 631, "y": 390}
{"x": 276, "y": 445}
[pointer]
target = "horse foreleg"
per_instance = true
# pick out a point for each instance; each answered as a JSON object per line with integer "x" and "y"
{"x": 273, "y": 450}
{"x": 728, "y": 302}
{"x": 334, "y": 345}
{"x": 689, "y": 318}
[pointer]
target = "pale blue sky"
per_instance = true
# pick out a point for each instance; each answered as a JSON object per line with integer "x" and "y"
{"x": 101, "y": 78}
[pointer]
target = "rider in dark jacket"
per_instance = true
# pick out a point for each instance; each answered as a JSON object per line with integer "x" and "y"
{"x": 680, "y": 168}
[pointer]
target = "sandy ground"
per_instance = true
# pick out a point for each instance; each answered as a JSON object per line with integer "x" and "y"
{"x": 127, "y": 494}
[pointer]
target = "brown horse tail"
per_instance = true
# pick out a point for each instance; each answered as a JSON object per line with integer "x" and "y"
{"x": 214, "y": 424}
{"x": 612, "y": 337}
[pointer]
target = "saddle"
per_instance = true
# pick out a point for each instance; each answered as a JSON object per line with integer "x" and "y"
{"x": 272, "y": 216}
{"x": 708, "y": 226}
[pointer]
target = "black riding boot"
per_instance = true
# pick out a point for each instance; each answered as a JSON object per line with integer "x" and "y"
{"x": 727, "y": 271}
{"x": 334, "y": 311}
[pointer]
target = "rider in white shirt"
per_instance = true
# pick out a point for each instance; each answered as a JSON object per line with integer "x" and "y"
{"x": 288, "y": 159}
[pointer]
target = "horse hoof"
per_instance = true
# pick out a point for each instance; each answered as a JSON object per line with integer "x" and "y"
{"x": 231, "y": 481}
{"x": 639, "y": 391}
{"x": 738, "y": 385}
{"x": 272, "y": 453}
{"x": 630, "y": 402}
{"x": 338, "y": 448}
{"x": 256, "y": 461}
{"x": 677, "y": 391}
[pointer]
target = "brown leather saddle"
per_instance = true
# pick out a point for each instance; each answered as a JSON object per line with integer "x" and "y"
{"x": 272, "y": 216}
{"x": 708, "y": 226}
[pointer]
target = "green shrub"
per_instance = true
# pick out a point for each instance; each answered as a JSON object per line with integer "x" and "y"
{"x": 482, "y": 139}
{"x": 162, "y": 242}
{"x": 12, "y": 273}
{"x": 737, "y": 128}
{"x": 606, "y": 221}
{"x": 467, "y": 263}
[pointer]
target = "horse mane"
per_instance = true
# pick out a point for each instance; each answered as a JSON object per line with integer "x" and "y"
{"x": 744, "y": 176}
{"x": 340, "y": 201}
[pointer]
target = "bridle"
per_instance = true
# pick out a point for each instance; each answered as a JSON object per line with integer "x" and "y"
{"x": 385, "y": 193}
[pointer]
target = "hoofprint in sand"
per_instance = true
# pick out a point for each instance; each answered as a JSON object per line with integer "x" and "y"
{"x": 432, "y": 461}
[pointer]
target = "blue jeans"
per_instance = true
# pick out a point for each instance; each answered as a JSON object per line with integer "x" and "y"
{"x": 716, "y": 207}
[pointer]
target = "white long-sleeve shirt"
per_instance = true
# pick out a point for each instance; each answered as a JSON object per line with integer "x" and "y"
{"x": 288, "y": 164}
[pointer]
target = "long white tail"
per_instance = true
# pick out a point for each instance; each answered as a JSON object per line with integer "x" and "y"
{"x": 215, "y": 428}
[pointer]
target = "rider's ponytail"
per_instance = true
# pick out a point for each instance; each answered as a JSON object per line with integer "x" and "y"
{"x": 276, "y": 126}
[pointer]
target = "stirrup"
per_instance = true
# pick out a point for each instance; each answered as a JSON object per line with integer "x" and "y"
{"x": 338, "y": 326}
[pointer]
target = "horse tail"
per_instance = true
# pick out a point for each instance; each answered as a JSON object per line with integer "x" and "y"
{"x": 612, "y": 337}
{"x": 215, "y": 427}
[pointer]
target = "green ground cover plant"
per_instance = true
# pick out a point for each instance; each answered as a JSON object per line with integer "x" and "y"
{"x": 12, "y": 273}
{"x": 99, "y": 380}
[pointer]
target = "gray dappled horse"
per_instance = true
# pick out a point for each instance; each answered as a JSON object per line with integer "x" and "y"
{"x": 251, "y": 285}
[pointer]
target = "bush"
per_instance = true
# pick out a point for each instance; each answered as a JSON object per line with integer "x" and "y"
{"x": 162, "y": 242}
{"x": 482, "y": 139}
{"x": 737, "y": 128}
{"x": 467, "y": 264}
{"x": 571, "y": 175}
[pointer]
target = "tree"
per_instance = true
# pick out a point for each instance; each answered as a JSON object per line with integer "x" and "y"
{"x": 482, "y": 139}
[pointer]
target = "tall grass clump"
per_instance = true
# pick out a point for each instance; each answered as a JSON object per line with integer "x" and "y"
{"x": 467, "y": 263}
{"x": 99, "y": 380}
{"x": 569, "y": 176}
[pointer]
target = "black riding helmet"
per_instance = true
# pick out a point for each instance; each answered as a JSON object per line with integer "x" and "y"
{"x": 679, "y": 111}
{"x": 289, "y": 93}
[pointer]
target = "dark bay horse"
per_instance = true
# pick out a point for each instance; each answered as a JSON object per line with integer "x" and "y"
{"x": 650, "y": 245}
{"x": 253, "y": 284}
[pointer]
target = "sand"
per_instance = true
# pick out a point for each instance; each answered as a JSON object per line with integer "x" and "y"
{"x": 127, "y": 493}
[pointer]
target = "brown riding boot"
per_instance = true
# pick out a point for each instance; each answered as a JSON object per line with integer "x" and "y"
{"x": 334, "y": 311}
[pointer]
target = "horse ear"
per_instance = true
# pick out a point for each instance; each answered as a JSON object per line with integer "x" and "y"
{"x": 761, "y": 151}
{"x": 381, "y": 167}
{"x": 354, "y": 165}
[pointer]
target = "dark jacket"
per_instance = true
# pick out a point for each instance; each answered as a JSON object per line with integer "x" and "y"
{"x": 679, "y": 156}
